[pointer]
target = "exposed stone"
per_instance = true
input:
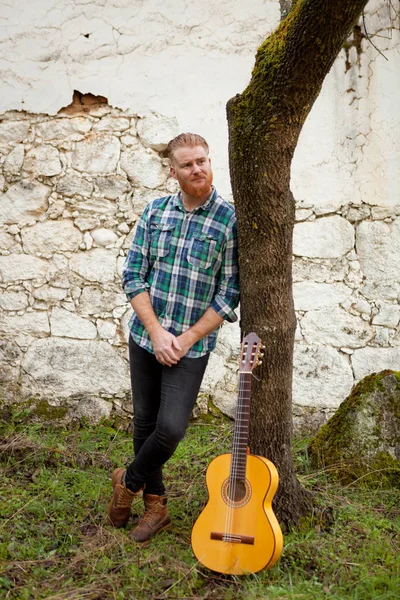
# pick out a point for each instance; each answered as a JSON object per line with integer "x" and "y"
{"x": 378, "y": 247}
{"x": 384, "y": 212}
{"x": 13, "y": 132}
{"x": 14, "y": 161}
{"x": 143, "y": 168}
{"x": 389, "y": 315}
{"x": 51, "y": 236}
{"x": 155, "y": 131}
{"x": 214, "y": 373}
{"x": 113, "y": 186}
{"x": 381, "y": 337}
{"x": 327, "y": 237}
{"x": 36, "y": 323}
{"x": 56, "y": 209}
{"x": 72, "y": 184}
{"x": 309, "y": 295}
{"x": 322, "y": 271}
{"x": 322, "y": 377}
{"x": 123, "y": 329}
{"x": 85, "y": 223}
{"x": 224, "y": 395}
{"x": 43, "y": 160}
{"x": 362, "y": 439}
{"x": 228, "y": 342}
{"x": 97, "y": 153}
{"x": 57, "y": 367}
{"x": 96, "y": 265}
{"x": 302, "y": 214}
{"x": 112, "y": 123}
{"x": 6, "y": 241}
{"x": 66, "y": 324}
{"x": 24, "y": 202}
{"x": 22, "y": 267}
{"x": 50, "y": 294}
{"x": 2, "y": 183}
{"x": 106, "y": 329}
{"x": 94, "y": 300}
{"x": 10, "y": 359}
{"x": 100, "y": 206}
{"x": 104, "y": 237}
{"x": 88, "y": 240}
{"x": 92, "y": 409}
{"x": 355, "y": 214}
{"x": 371, "y": 360}
{"x": 335, "y": 327}
{"x": 10, "y": 300}
{"x": 129, "y": 140}
{"x": 62, "y": 129}
{"x": 140, "y": 198}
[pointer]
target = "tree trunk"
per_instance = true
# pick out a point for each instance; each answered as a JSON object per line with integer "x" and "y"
{"x": 264, "y": 125}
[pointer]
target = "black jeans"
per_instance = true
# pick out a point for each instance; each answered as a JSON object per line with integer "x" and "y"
{"x": 163, "y": 400}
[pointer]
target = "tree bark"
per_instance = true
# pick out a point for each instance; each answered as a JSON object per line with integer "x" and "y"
{"x": 264, "y": 125}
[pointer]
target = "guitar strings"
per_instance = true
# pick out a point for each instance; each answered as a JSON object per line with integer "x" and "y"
{"x": 238, "y": 441}
{"x": 236, "y": 447}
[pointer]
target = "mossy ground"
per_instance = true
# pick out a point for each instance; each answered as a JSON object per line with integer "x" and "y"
{"x": 54, "y": 542}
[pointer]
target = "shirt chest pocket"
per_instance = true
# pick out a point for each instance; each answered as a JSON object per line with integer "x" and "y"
{"x": 160, "y": 239}
{"x": 202, "y": 251}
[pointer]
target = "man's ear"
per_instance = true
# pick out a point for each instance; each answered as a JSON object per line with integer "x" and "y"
{"x": 172, "y": 172}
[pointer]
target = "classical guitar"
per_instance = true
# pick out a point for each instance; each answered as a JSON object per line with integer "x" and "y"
{"x": 237, "y": 532}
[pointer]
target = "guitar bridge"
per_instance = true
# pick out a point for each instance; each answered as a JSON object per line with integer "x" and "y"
{"x": 232, "y": 538}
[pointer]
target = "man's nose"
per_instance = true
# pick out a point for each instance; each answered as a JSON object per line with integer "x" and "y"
{"x": 196, "y": 168}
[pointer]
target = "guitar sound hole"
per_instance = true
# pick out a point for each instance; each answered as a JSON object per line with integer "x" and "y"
{"x": 236, "y": 491}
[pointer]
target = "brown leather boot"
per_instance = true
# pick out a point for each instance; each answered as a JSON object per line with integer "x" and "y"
{"x": 156, "y": 518}
{"x": 119, "y": 507}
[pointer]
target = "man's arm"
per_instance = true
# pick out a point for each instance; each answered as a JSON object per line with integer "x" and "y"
{"x": 134, "y": 276}
{"x": 166, "y": 346}
{"x": 205, "y": 325}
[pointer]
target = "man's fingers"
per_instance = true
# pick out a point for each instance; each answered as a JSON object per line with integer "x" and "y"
{"x": 176, "y": 344}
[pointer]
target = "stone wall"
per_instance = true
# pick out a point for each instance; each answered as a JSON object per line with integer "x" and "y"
{"x": 73, "y": 188}
{"x": 74, "y": 182}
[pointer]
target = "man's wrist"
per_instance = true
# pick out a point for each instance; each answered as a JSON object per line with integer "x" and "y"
{"x": 153, "y": 328}
{"x": 190, "y": 337}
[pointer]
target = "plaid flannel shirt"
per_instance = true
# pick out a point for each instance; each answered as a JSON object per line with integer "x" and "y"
{"x": 187, "y": 262}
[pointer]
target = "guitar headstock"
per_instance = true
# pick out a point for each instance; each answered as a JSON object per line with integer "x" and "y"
{"x": 251, "y": 352}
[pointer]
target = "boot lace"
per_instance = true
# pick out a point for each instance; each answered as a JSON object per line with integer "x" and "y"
{"x": 124, "y": 498}
{"x": 150, "y": 512}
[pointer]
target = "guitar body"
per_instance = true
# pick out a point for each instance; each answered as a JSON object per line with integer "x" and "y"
{"x": 242, "y": 535}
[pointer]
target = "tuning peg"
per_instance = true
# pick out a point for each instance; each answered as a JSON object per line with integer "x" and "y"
{"x": 260, "y": 362}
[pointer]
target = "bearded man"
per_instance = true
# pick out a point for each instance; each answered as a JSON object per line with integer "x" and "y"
{"x": 181, "y": 277}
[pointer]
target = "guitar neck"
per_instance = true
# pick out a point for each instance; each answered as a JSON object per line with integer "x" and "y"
{"x": 241, "y": 434}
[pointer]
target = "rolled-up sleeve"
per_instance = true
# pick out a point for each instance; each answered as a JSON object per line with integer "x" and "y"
{"x": 227, "y": 296}
{"x": 136, "y": 265}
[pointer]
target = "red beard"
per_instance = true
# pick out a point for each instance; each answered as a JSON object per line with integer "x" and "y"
{"x": 197, "y": 189}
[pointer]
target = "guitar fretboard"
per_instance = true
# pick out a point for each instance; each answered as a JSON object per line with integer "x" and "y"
{"x": 240, "y": 437}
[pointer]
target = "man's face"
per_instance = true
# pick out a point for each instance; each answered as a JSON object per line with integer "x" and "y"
{"x": 191, "y": 166}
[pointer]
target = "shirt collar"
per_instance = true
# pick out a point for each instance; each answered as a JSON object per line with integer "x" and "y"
{"x": 177, "y": 201}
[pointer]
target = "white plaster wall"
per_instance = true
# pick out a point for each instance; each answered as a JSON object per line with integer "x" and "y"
{"x": 184, "y": 60}
{"x": 180, "y": 58}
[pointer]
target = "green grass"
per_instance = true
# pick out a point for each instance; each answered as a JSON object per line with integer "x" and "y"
{"x": 54, "y": 543}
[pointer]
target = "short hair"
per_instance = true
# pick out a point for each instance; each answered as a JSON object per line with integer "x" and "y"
{"x": 185, "y": 139}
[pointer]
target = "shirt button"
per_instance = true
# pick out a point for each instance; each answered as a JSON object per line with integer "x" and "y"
{"x": 182, "y": 236}
{"x": 171, "y": 295}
